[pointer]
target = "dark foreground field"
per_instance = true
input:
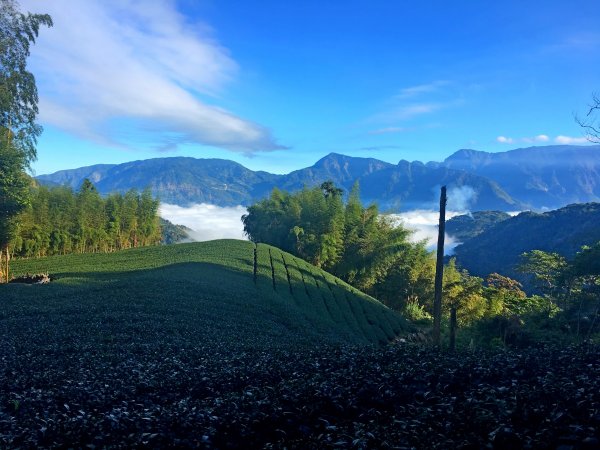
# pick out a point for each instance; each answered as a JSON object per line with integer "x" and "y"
{"x": 207, "y": 395}
{"x": 189, "y": 346}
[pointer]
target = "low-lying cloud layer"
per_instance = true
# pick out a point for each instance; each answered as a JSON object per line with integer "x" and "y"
{"x": 215, "y": 222}
{"x": 424, "y": 224}
{"x": 208, "y": 221}
{"x": 118, "y": 72}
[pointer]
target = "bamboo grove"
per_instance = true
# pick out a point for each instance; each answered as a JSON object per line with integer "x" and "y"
{"x": 60, "y": 221}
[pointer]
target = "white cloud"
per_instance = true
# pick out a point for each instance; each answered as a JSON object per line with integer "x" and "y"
{"x": 461, "y": 197}
{"x": 570, "y": 140}
{"x": 504, "y": 140}
{"x": 388, "y": 130}
{"x": 541, "y": 138}
{"x": 414, "y": 91}
{"x": 138, "y": 63}
{"x": 208, "y": 221}
{"x": 424, "y": 224}
{"x": 409, "y": 111}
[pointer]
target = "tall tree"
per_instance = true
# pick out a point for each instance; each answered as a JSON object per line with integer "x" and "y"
{"x": 18, "y": 110}
{"x": 14, "y": 197}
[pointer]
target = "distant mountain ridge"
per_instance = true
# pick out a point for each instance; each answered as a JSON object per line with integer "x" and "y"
{"x": 534, "y": 178}
{"x": 542, "y": 177}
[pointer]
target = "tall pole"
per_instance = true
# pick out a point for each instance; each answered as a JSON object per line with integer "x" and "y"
{"x": 439, "y": 271}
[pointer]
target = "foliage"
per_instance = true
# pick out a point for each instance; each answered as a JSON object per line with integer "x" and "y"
{"x": 300, "y": 296}
{"x": 14, "y": 198}
{"x": 59, "y": 221}
{"x": 172, "y": 233}
{"x": 416, "y": 313}
{"x": 544, "y": 267}
{"x": 498, "y": 249}
{"x": 18, "y": 92}
{"x": 18, "y": 110}
{"x": 466, "y": 226}
{"x": 349, "y": 240}
{"x": 463, "y": 292}
{"x": 176, "y": 346}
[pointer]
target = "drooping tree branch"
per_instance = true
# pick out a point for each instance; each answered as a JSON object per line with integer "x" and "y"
{"x": 591, "y": 122}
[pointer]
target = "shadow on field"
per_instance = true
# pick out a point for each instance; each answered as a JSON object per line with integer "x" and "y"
{"x": 192, "y": 271}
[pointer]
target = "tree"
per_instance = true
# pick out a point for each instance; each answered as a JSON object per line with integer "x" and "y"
{"x": 351, "y": 241}
{"x": 546, "y": 269}
{"x": 18, "y": 92}
{"x": 14, "y": 197}
{"x": 463, "y": 297}
{"x": 18, "y": 110}
{"x": 591, "y": 122}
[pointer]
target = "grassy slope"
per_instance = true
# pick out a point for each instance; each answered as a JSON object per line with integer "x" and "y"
{"x": 198, "y": 289}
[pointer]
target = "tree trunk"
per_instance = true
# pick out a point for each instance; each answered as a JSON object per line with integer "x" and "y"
{"x": 4, "y": 261}
{"x": 453, "y": 328}
{"x": 7, "y": 261}
{"x": 439, "y": 271}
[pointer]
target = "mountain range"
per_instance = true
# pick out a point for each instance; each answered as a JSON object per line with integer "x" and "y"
{"x": 535, "y": 178}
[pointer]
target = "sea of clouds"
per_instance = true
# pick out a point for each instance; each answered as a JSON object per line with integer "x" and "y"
{"x": 210, "y": 222}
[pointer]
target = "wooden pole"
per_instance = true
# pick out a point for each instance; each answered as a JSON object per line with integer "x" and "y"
{"x": 439, "y": 272}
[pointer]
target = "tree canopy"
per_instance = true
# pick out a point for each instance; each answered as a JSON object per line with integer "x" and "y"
{"x": 60, "y": 221}
{"x": 18, "y": 91}
{"x": 18, "y": 111}
{"x": 352, "y": 241}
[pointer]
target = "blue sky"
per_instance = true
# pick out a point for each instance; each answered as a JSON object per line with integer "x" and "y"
{"x": 277, "y": 85}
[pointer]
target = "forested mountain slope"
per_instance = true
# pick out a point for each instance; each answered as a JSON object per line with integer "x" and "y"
{"x": 467, "y": 226}
{"x": 563, "y": 231}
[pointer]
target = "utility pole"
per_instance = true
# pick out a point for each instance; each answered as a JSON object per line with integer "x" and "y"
{"x": 439, "y": 272}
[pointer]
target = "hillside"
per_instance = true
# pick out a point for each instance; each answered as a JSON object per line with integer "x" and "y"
{"x": 178, "y": 347}
{"x": 172, "y": 233}
{"x": 467, "y": 226}
{"x": 563, "y": 231}
{"x": 214, "y": 282}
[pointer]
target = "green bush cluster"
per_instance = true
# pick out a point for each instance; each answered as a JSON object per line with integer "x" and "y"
{"x": 60, "y": 221}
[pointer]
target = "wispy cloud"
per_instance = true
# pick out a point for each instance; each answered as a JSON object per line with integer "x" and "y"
{"x": 414, "y": 91}
{"x": 142, "y": 63}
{"x": 580, "y": 41}
{"x": 542, "y": 138}
{"x": 401, "y": 112}
{"x": 387, "y": 130}
{"x": 383, "y": 147}
{"x": 414, "y": 102}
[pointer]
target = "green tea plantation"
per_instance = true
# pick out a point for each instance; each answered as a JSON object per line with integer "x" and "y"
{"x": 225, "y": 344}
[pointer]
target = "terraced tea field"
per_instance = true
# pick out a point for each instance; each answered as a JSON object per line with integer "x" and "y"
{"x": 226, "y": 345}
{"x": 258, "y": 289}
